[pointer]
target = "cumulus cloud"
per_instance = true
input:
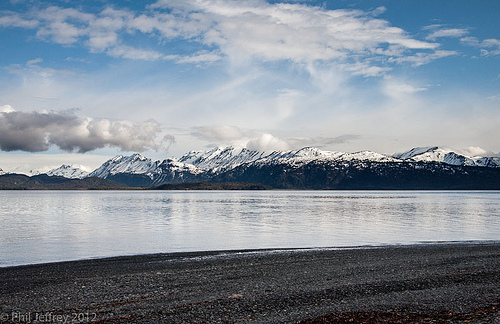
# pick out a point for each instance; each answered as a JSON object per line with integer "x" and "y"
{"x": 6, "y": 109}
{"x": 37, "y": 131}
{"x": 474, "y": 151}
{"x": 267, "y": 142}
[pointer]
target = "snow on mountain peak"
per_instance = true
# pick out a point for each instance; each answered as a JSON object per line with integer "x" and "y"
{"x": 369, "y": 156}
{"x": 445, "y": 155}
{"x": 415, "y": 152}
{"x": 138, "y": 157}
{"x": 220, "y": 158}
{"x": 308, "y": 154}
{"x": 197, "y": 165}
{"x": 69, "y": 171}
{"x": 134, "y": 164}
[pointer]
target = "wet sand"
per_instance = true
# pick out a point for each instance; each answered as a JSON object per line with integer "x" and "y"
{"x": 435, "y": 283}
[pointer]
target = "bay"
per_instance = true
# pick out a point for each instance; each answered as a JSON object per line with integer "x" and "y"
{"x": 47, "y": 226}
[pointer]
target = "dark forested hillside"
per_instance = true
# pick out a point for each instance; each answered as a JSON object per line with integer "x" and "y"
{"x": 366, "y": 175}
{"x": 45, "y": 182}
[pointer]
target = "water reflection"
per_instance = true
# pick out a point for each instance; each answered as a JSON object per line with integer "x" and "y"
{"x": 42, "y": 226}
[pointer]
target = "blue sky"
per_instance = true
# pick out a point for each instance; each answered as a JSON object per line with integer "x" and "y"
{"x": 84, "y": 80}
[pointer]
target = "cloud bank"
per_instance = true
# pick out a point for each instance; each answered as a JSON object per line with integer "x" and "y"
{"x": 236, "y": 30}
{"x": 37, "y": 131}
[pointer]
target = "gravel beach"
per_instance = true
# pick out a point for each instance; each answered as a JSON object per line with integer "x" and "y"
{"x": 429, "y": 283}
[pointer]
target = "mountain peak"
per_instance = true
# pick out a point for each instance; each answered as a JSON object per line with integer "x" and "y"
{"x": 438, "y": 154}
{"x": 138, "y": 156}
{"x": 309, "y": 151}
{"x": 415, "y": 151}
{"x": 134, "y": 164}
{"x": 220, "y": 157}
{"x": 69, "y": 171}
{"x": 202, "y": 165}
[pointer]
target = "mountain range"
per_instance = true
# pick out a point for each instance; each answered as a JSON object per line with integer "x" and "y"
{"x": 306, "y": 168}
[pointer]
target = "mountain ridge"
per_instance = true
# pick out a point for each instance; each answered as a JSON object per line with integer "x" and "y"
{"x": 303, "y": 168}
{"x": 69, "y": 171}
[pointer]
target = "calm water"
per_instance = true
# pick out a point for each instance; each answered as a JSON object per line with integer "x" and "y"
{"x": 43, "y": 226}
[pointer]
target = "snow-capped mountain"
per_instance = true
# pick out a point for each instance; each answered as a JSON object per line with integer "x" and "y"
{"x": 138, "y": 170}
{"x": 202, "y": 165}
{"x": 307, "y": 167}
{"x": 220, "y": 158}
{"x": 445, "y": 155}
{"x": 173, "y": 171}
{"x": 134, "y": 164}
{"x": 309, "y": 154}
{"x": 69, "y": 172}
{"x": 1, "y": 172}
{"x": 492, "y": 162}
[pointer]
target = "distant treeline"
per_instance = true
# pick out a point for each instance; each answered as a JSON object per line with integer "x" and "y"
{"x": 317, "y": 175}
{"x": 45, "y": 182}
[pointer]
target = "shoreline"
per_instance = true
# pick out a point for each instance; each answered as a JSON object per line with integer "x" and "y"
{"x": 221, "y": 253}
{"x": 398, "y": 283}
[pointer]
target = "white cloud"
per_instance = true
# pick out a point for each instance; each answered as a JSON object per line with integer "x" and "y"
{"x": 267, "y": 142}
{"x": 487, "y": 47}
{"x": 296, "y": 32}
{"x": 471, "y": 41}
{"x": 200, "y": 57}
{"x": 448, "y": 32}
{"x": 129, "y": 52}
{"x": 492, "y": 45}
{"x": 54, "y": 24}
{"x": 34, "y": 61}
{"x": 232, "y": 135}
{"x": 240, "y": 31}
{"x": 6, "y": 109}
{"x": 393, "y": 87}
{"x": 365, "y": 69}
{"x": 14, "y": 20}
{"x": 423, "y": 58}
{"x": 474, "y": 151}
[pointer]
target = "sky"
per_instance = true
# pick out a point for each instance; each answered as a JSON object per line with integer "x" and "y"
{"x": 84, "y": 80}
